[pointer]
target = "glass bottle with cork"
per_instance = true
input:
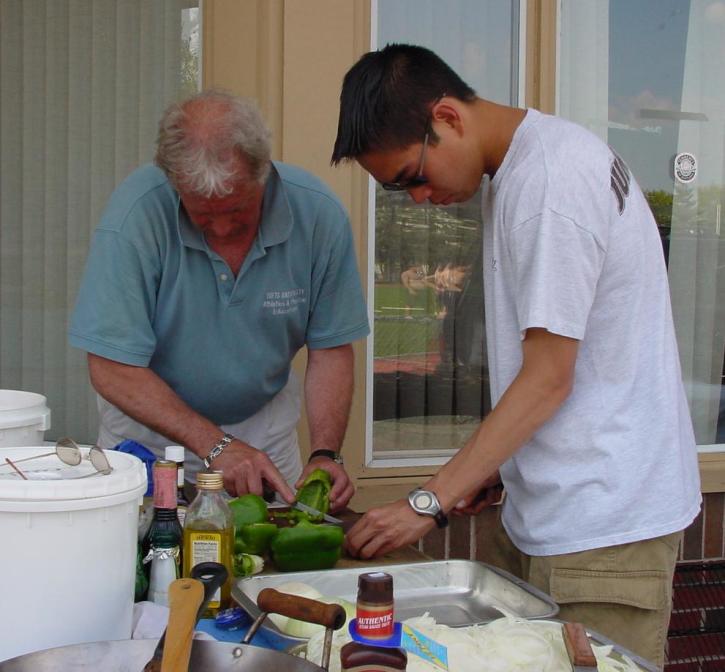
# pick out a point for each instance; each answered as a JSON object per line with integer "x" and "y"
{"x": 163, "y": 541}
{"x": 177, "y": 454}
{"x": 209, "y": 534}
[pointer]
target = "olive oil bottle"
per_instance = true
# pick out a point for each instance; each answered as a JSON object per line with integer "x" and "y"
{"x": 209, "y": 534}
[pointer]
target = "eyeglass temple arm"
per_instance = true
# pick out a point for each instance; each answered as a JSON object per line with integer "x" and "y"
{"x": 32, "y": 457}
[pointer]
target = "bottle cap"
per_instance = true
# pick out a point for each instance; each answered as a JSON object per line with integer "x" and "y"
{"x": 174, "y": 453}
{"x": 375, "y": 588}
{"x": 213, "y": 480}
{"x": 231, "y": 619}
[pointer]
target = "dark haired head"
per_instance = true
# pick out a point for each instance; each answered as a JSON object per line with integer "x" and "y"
{"x": 387, "y": 96}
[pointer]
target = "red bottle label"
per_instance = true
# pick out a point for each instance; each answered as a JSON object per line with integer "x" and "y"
{"x": 375, "y": 623}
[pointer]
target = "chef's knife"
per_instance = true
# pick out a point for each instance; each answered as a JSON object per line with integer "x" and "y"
{"x": 579, "y": 648}
{"x": 317, "y": 514}
{"x": 270, "y": 495}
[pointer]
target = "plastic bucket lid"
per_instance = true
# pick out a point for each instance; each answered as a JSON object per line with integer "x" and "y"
{"x": 22, "y": 409}
{"x": 55, "y": 486}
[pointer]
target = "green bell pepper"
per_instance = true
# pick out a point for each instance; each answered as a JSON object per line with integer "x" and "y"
{"x": 307, "y": 546}
{"x": 254, "y": 538}
{"x": 244, "y": 564}
{"x": 248, "y": 509}
{"x": 315, "y": 490}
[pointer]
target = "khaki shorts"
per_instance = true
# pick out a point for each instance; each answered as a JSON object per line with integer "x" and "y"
{"x": 622, "y": 592}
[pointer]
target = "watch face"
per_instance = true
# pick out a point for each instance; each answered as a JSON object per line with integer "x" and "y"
{"x": 423, "y": 501}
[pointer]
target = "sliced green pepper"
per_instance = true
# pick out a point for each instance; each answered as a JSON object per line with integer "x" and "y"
{"x": 315, "y": 491}
{"x": 254, "y": 538}
{"x": 294, "y": 516}
{"x": 307, "y": 546}
{"x": 245, "y": 564}
{"x": 248, "y": 509}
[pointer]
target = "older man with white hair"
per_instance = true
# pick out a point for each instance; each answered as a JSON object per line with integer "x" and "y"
{"x": 207, "y": 273}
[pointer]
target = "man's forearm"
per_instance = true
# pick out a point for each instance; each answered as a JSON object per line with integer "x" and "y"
{"x": 328, "y": 395}
{"x": 145, "y": 397}
{"x": 534, "y": 396}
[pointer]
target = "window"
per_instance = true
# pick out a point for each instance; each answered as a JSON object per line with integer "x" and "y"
{"x": 82, "y": 87}
{"x": 427, "y": 364}
{"x": 651, "y": 111}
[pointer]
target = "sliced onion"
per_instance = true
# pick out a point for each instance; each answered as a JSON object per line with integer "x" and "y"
{"x": 508, "y": 644}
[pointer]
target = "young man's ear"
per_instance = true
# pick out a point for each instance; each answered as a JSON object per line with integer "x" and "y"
{"x": 447, "y": 111}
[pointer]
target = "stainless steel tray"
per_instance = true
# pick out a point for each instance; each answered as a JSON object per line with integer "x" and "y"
{"x": 454, "y": 592}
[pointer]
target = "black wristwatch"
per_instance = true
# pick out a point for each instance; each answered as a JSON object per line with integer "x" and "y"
{"x": 425, "y": 503}
{"x": 323, "y": 452}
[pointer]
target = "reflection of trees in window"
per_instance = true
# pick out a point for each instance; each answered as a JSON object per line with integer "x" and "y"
{"x": 660, "y": 202}
{"x": 688, "y": 219}
{"x": 409, "y": 235}
{"x": 190, "y": 52}
{"x": 429, "y": 322}
{"x": 696, "y": 210}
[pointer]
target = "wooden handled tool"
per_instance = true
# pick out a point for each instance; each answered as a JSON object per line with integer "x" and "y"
{"x": 272, "y": 601}
{"x": 578, "y": 647}
{"x": 174, "y": 648}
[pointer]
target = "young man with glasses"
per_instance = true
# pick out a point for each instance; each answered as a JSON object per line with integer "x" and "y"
{"x": 590, "y": 430}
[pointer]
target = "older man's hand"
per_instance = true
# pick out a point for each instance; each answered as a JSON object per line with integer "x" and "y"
{"x": 246, "y": 469}
{"x": 342, "y": 487}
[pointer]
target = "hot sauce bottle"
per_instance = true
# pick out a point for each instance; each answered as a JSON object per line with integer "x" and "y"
{"x": 375, "y": 621}
{"x": 375, "y": 605}
{"x": 356, "y": 657}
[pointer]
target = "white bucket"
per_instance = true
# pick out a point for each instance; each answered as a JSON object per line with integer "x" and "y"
{"x": 68, "y": 552}
{"x": 24, "y": 416}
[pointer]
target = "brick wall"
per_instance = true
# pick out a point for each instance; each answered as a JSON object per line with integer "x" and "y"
{"x": 704, "y": 539}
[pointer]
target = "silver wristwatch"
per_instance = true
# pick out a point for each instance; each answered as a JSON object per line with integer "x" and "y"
{"x": 425, "y": 503}
{"x": 218, "y": 449}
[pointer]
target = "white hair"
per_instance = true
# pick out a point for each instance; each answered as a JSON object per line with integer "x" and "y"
{"x": 213, "y": 141}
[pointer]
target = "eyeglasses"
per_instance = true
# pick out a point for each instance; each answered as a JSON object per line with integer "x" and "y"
{"x": 413, "y": 182}
{"x": 68, "y": 452}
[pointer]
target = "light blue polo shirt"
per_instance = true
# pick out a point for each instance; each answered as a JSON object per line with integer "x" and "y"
{"x": 154, "y": 294}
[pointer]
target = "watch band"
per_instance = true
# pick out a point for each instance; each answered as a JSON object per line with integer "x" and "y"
{"x": 441, "y": 519}
{"x": 217, "y": 449}
{"x": 324, "y": 452}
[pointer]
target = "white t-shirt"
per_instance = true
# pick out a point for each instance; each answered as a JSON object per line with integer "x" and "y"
{"x": 570, "y": 245}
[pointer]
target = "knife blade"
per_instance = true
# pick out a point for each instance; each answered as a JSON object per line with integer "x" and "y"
{"x": 578, "y": 648}
{"x": 317, "y": 514}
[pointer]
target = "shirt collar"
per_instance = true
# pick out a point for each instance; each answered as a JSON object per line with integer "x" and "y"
{"x": 275, "y": 226}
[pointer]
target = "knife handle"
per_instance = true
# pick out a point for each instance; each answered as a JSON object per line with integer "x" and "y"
{"x": 268, "y": 492}
{"x": 578, "y": 646}
{"x": 272, "y": 601}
